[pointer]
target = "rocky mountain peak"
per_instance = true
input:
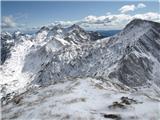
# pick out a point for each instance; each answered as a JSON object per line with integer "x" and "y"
{"x": 58, "y": 26}
{"x": 44, "y": 28}
{"x": 75, "y": 26}
{"x": 139, "y": 23}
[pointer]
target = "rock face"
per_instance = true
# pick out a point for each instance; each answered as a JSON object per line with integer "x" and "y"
{"x": 6, "y": 43}
{"x": 141, "y": 60}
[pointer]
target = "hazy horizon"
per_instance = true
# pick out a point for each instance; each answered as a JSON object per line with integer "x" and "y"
{"x": 90, "y": 15}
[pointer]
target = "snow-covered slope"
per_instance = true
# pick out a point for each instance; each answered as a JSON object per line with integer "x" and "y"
{"x": 28, "y": 55}
{"x": 12, "y": 77}
{"x": 82, "y": 99}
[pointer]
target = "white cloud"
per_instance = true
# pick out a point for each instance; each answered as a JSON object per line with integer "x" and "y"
{"x": 107, "y": 21}
{"x": 64, "y": 23}
{"x": 141, "y": 5}
{"x": 110, "y": 21}
{"x": 148, "y": 16}
{"x": 8, "y": 22}
{"x": 127, "y": 8}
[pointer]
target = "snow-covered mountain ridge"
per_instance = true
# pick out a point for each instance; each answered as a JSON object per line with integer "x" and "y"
{"x": 131, "y": 57}
{"x": 54, "y": 55}
{"x": 24, "y": 59}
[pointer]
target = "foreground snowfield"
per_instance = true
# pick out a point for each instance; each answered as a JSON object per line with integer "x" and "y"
{"x": 82, "y": 99}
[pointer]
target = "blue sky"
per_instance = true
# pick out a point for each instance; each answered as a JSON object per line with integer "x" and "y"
{"x": 29, "y": 14}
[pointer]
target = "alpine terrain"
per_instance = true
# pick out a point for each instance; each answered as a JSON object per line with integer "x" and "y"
{"x": 70, "y": 74}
